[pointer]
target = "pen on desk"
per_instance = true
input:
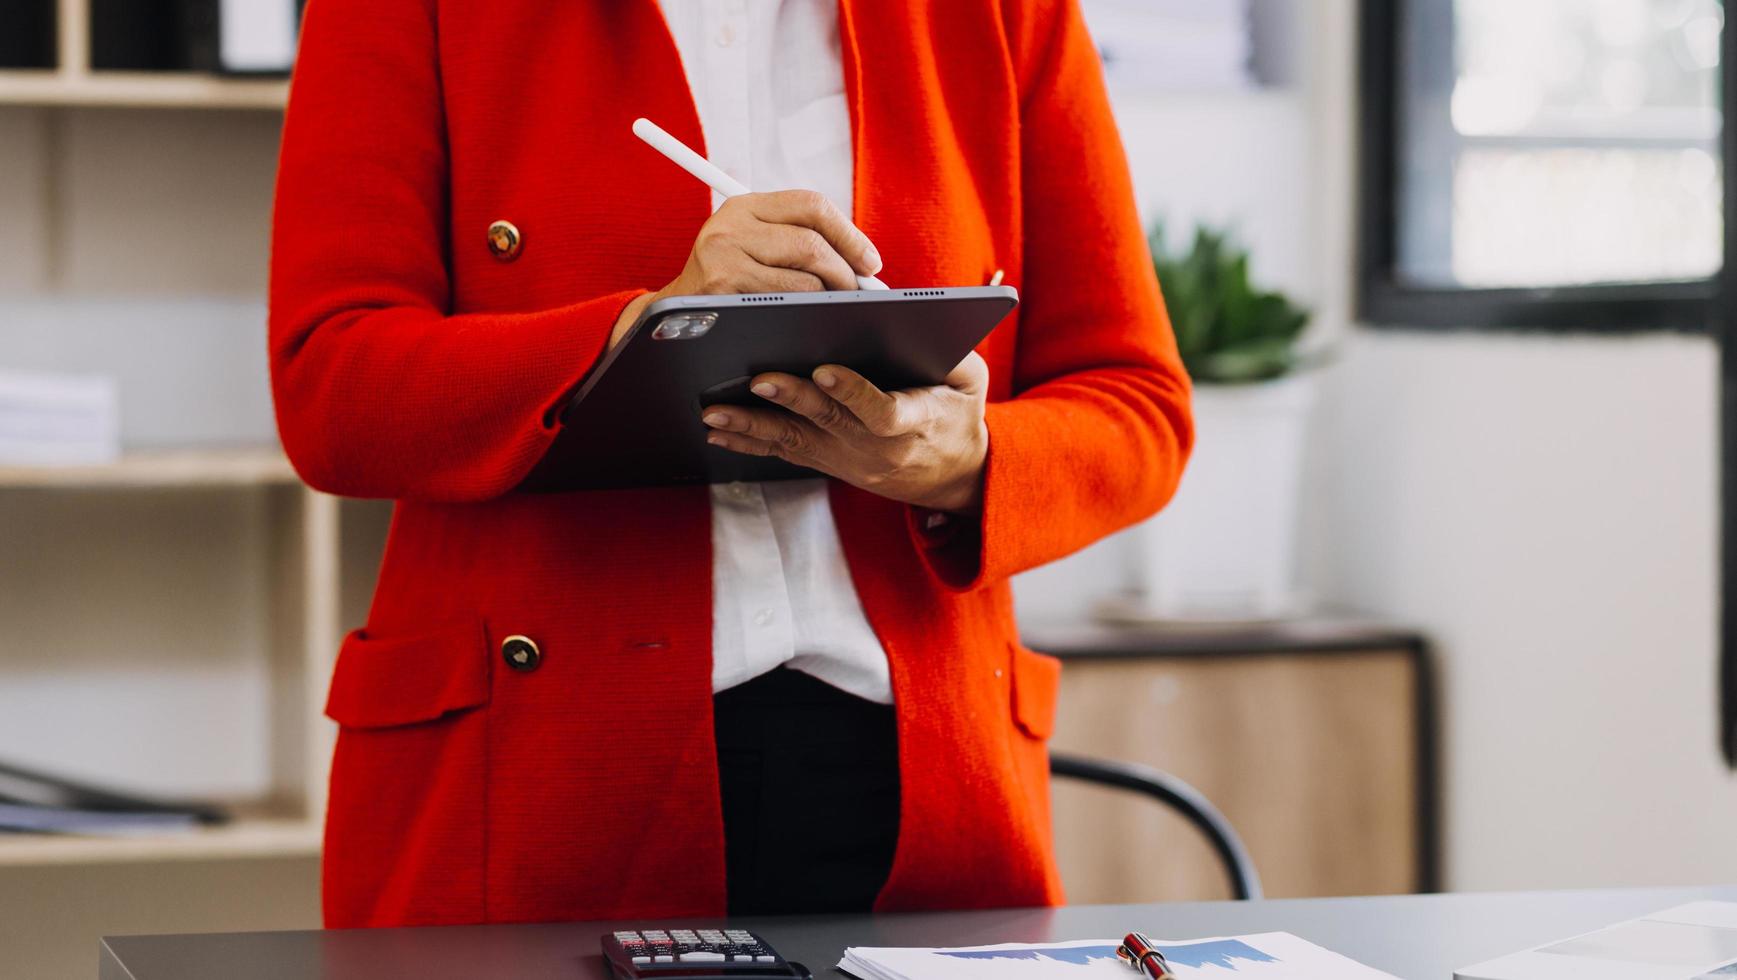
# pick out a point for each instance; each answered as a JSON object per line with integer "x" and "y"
{"x": 1145, "y": 956}
{"x": 706, "y": 172}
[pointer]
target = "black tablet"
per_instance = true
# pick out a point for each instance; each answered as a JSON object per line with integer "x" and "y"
{"x": 635, "y": 422}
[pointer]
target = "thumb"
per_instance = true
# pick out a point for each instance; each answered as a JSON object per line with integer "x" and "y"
{"x": 971, "y": 376}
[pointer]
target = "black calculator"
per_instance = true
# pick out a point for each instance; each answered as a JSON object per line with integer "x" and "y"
{"x": 696, "y": 954}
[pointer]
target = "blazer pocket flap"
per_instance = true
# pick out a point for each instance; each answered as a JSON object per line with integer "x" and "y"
{"x": 1036, "y": 684}
{"x": 381, "y": 682}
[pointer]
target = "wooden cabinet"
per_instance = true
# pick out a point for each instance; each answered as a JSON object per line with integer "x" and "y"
{"x": 1313, "y": 738}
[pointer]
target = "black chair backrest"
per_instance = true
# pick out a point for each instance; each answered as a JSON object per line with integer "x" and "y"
{"x": 1245, "y": 883}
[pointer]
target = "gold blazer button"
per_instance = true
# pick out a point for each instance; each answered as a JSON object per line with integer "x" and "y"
{"x": 505, "y": 241}
{"x": 521, "y": 653}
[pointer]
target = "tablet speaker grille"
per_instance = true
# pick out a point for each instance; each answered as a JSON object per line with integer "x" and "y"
{"x": 922, "y": 292}
{"x": 773, "y": 298}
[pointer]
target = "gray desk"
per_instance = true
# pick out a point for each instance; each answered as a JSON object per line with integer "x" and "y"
{"x": 1416, "y": 937}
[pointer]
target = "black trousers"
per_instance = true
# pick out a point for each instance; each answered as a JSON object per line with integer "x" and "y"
{"x": 810, "y": 782}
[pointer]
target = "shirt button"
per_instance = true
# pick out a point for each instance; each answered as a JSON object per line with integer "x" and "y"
{"x": 763, "y": 618}
{"x": 521, "y": 653}
{"x": 726, "y": 35}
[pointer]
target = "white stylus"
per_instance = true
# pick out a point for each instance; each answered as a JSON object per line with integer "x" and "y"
{"x": 679, "y": 154}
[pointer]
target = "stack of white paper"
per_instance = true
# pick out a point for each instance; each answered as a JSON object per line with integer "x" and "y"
{"x": 58, "y": 420}
{"x": 1173, "y": 45}
{"x": 1269, "y": 956}
{"x": 1697, "y": 941}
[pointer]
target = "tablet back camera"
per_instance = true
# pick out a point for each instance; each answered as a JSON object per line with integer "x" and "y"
{"x": 684, "y": 326}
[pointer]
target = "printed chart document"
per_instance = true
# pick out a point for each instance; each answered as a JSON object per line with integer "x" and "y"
{"x": 1268, "y": 956}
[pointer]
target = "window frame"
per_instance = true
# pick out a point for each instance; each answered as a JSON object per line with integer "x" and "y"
{"x": 1385, "y": 301}
{"x": 1725, "y": 334}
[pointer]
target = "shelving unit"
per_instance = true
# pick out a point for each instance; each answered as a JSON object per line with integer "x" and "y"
{"x": 75, "y": 82}
{"x": 244, "y": 467}
{"x": 308, "y": 561}
{"x": 170, "y": 619}
{"x": 128, "y": 89}
{"x": 310, "y": 579}
{"x": 260, "y": 837}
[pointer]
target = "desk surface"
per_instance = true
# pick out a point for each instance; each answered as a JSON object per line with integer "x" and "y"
{"x": 1420, "y": 937}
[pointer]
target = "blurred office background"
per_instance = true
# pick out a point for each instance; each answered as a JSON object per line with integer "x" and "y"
{"x": 1496, "y": 665}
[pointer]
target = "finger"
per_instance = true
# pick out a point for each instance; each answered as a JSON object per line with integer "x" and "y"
{"x": 802, "y": 397}
{"x": 741, "y": 444}
{"x": 812, "y": 209}
{"x": 804, "y": 249}
{"x": 970, "y": 376}
{"x": 878, "y": 411}
{"x": 794, "y": 438}
{"x": 754, "y": 277}
{"x": 759, "y": 447}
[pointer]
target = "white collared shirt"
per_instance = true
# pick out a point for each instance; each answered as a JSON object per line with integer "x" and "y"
{"x": 767, "y": 77}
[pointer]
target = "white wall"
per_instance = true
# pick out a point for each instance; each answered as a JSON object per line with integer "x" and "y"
{"x": 1202, "y": 157}
{"x": 1546, "y": 509}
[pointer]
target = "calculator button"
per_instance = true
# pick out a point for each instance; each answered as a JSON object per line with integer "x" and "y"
{"x": 766, "y": 959}
{"x": 663, "y": 958}
{"x": 642, "y": 959}
{"x": 701, "y": 956}
{"x": 742, "y": 958}
{"x": 711, "y": 935}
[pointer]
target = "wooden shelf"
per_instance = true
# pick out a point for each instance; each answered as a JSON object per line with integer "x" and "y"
{"x": 163, "y": 90}
{"x": 262, "y": 466}
{"x": 252, "y": 838}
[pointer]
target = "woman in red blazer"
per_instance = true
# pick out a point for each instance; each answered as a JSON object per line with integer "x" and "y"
{"x": 527, "y": 725}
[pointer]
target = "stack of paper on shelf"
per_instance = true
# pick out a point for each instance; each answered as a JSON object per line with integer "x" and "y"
{"x": 1269, "y": 956}
{"x": 27, "y": 818}
{"x": 32, "y": 801}
{"x": 58, "y": 419}
{"x": 1173, "y": 45}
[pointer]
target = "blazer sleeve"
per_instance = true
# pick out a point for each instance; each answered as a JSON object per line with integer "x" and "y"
{"x": 380, "y": 391}
{"x": 1098, "y": 429}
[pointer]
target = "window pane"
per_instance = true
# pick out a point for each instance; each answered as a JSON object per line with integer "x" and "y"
{"x": 1559, "y": 142}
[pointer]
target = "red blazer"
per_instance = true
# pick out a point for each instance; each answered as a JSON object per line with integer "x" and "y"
{"x": 408, "y": 362}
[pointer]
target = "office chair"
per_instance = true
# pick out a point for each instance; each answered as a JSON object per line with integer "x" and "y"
{"x": 1245, "y": 883}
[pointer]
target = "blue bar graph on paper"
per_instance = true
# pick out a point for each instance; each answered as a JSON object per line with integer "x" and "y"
{"x": 1221, "y": 953}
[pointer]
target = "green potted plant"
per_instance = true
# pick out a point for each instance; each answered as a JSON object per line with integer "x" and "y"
{"x": 1228, "y": 330}
{"x": 1225, "y": 547}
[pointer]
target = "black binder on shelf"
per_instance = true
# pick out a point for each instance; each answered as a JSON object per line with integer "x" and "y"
{"x": 27, "y": 34}
{"x": 190, "y": 35}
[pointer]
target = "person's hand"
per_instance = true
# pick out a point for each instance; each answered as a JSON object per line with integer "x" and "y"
{"x": 923, "y": 446}
{"x": 781, "y": 242}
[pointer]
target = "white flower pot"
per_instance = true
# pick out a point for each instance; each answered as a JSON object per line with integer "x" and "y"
{"x": 1225, "y": 548}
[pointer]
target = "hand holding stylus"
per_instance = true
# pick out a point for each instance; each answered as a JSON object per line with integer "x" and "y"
{"x": 782, "y": 242}
{"x": 777, "y": 242}
{"x": 728, "y": 187}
